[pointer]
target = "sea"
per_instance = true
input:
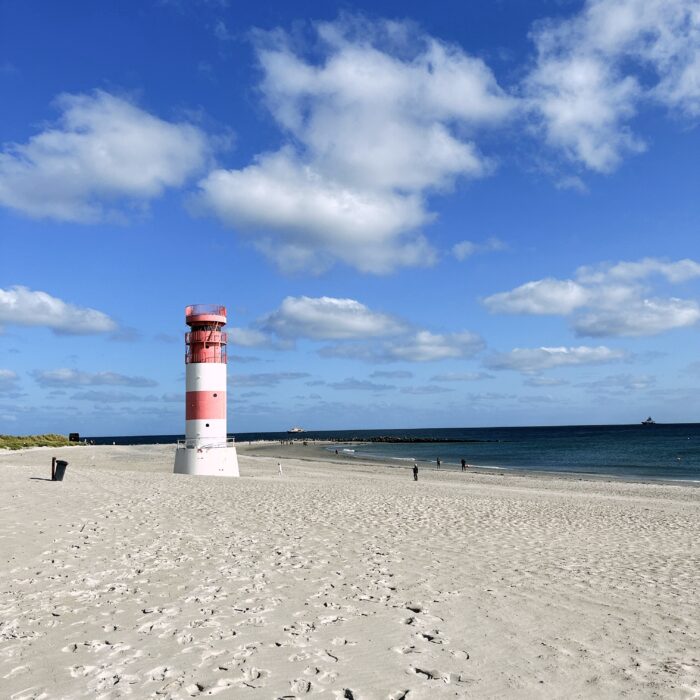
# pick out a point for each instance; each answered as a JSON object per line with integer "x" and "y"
{"x": 648, "y": 452}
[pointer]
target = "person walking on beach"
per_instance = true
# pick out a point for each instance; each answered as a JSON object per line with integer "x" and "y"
{"x": 279, "y": 469}
{"x": 415, "y": 472}
{"x": 464, "y": 464}
{"x": 438, "y": 462}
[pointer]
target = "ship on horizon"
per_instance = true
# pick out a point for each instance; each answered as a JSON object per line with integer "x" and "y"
{"x": 649, "y": 421}
{"x": 296, "y": 429}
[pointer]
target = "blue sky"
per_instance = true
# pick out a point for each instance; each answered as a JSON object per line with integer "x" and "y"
{"x": 462, "y": 214}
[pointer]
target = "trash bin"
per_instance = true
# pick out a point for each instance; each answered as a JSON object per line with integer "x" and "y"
{"x": 60, "y": 470}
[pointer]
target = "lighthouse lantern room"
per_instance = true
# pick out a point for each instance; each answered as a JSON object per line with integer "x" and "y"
{"x": 206, "y": 449}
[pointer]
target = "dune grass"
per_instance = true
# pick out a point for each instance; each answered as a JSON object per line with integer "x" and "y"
{"x": 17, "y": 442}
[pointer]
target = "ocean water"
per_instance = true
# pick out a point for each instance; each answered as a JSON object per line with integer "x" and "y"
{"x": 668, "y": 452}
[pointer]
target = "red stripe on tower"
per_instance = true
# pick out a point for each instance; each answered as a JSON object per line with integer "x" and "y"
{"x": 201, "y": 405}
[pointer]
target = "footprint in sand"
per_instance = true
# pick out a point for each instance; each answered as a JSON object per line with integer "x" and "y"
{"x": 300, "y": 685}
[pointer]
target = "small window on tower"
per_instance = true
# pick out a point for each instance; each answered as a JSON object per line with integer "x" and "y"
{"x": 207, "y": 425}
{"x": 215, "y": 395}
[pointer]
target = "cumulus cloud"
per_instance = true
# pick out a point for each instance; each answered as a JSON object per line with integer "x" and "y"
{"x": 21, "y": 306}
{"x": 547, "y": 296}
{"x": 304, "y": 220}
{"x": 249, "y": 338}
{"x": 392, "y": 374}
{"x": 351, "y": 384}
{"x": 593, "y": 69}
{"x": 328, "y": 318}
{"x": 250, "y": 394}
{"x": 381, "y": 118}
{"x": 461, "y": 377}
{"x": 425, "y": 389}
{"x": 265, "y": 378}
{"x": 111, "y": 397}
{"x": 632, "y": 271}
{"x": 71, "y": 377}
{"x": 315, "y": 318}
{"x": 102, "y": 150}
{"x": 608, "y": 300}
{"x": 425, "y": 346}
{"x": 242, "y": 359}
{"x": 529, "y": 360}
{"x": 544, "y": 381}
{"x": 421, "y": 346}
{"x": 465, "y": 249}
{"x": 489, "y": 397}
{"x": 646, "y": 317}
{"x": 620, "y": 383}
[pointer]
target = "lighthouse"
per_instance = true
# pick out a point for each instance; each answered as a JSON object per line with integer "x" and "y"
{"x": 206, "y": 449}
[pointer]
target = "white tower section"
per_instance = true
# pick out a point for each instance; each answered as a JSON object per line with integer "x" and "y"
{"x": 206, "y": 450}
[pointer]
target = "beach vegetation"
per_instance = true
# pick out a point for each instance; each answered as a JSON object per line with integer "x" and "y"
{"x": 17, "y": 442}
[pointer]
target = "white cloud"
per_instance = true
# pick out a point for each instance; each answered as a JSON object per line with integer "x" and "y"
{"x": 529, "y": 360}
{"x": 71, "y": 377}
{"x": 608, "y": 300}
{"x": 489, "y": 397}
{"x": 347, "y": 320}
{"x": 425, "y": 346}
{"x": 547, "y": 296}
{"x": 461, "y": 377}
{"x": 249, "y": 338}
{"x": 394, "y": 374}
{"x": 351, "y": 384}
{"x": 583, "y": 105}
{"x": 326, "y": 318}
{"x": 242, "y": 359}
{"x": 421, "y": 346}
{"x": 378, "y": 122}
{"x": 572, "y": 182}
{"x": 620, "y": 383}
{"x": 111, "y": 397}
{"x": 103, "y": 150}
{"x": 465, "y": 249}
{"x": 593, "y": 69}
{"x": 646, "y": 317}
{"x": 265, "y": 378}
{"x": 544, "y": 381}
{"x": 626, "y": 272}
{"x": 425, "y": 390}
{"x": 24, "y": 307}
{"x": 308, "y": 220}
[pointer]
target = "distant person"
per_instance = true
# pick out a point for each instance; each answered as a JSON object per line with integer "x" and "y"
{"x": 464, "y": 464}
{"x": 438, "y": 462}
{"x": 415, "y": 472}
{"x": 279, "y": 469}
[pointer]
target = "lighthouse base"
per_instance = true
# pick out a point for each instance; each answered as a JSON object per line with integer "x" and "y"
{"x": 206, "y": 461}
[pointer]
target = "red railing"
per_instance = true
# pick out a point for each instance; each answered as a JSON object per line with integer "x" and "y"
{"x": 210, "y": 337}
{"x": 205, "y": 346}
{"x": 205, "y": 309}
{"x": 216, "y": 353}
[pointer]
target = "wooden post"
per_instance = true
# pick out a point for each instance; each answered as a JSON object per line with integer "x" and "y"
{"x": 53, "y": 469}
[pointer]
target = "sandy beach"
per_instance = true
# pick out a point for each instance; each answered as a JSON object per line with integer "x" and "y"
{"x": 340, "y": 579}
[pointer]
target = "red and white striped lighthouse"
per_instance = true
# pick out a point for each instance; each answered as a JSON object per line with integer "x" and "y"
{"x": 206, "y": 450}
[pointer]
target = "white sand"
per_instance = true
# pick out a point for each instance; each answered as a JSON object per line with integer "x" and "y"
{"x": 341, "y": 581}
